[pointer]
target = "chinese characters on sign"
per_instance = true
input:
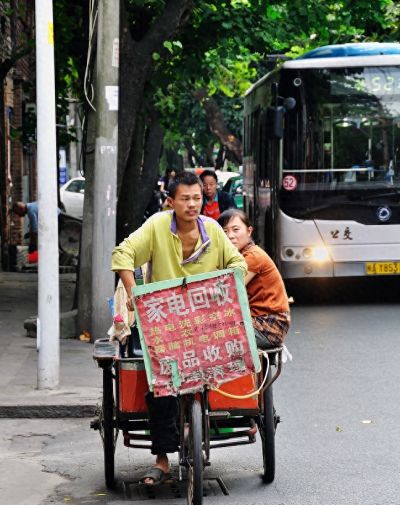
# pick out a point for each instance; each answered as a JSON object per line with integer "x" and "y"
{"x": 194, "y": 334}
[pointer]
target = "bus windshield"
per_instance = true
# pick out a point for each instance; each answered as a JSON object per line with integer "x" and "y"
{"x": 342, "y": 140}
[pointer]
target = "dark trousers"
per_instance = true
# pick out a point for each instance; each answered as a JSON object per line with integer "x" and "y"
{"x": 163, "y": 418}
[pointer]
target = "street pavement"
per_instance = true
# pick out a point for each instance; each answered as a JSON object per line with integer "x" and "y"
{"x": 80, "y": 384}
{"x": 338, "y": 399}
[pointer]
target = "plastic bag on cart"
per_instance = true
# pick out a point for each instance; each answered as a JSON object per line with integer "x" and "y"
{"x": 122, "y": 317}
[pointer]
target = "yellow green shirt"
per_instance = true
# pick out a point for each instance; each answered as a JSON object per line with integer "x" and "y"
{"x": 156, "y": 242}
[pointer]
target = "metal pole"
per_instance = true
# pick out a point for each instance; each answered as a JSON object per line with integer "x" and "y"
{"x": 48, "y": 292}
{"x": 105, "y": 173}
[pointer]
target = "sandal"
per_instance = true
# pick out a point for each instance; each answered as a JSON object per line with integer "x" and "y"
{"x": 157, "y": 475}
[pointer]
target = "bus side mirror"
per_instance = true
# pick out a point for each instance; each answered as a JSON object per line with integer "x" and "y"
{"x": 275, "y": 115}
{"x": 274, "y": 122}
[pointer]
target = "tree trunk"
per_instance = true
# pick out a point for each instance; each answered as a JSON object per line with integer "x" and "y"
{"x": 219, "y": 162}
{"x": 209, "y": 156}
{"x": 136, "y": 63}
{"x": 84, "y": 278}
{"x": 174, "y": 160}
{"x": 217, "y": 126}
{"x": 140, "y": 176}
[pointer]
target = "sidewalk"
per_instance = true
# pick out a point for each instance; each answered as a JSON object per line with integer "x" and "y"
{"x": 80, "y": 386}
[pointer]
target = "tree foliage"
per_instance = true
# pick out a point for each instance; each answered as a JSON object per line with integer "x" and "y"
{"x": 227, "y": 45}
{"x": 185, "y": 67}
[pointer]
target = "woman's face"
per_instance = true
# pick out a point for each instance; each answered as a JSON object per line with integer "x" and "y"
{"x": 237, "y": 232}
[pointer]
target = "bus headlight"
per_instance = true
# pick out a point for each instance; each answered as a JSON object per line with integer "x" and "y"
{"x": 310, "y": 254}
{"x": 320, "y": 254}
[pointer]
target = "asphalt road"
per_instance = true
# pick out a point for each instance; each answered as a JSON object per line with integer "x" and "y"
{"x": 338, "y": 442}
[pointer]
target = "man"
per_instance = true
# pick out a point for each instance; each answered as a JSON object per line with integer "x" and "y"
{"x": 215, "y": 200}
{"x": 31, "y": 210}
{"x": 175, "y": 243}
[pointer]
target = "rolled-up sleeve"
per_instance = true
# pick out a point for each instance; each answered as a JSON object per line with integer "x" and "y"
{"x": 134, "y": 251}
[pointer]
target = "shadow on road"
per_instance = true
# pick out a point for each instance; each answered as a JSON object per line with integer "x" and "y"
{"x": 345, "y": 291}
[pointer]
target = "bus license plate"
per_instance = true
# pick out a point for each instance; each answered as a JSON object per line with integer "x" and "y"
{"x": 382, "y": 268}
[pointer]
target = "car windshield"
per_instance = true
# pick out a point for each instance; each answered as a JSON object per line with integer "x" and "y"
{"x": 76, "y": 186}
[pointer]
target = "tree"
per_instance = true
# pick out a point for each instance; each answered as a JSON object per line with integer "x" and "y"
{"x": 174, "y": 56}
{"x": 146, "y": 26}
{"x": 240, "y": 38}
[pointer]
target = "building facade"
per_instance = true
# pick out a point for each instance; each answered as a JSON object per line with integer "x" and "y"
{"x": 17, "y": 121}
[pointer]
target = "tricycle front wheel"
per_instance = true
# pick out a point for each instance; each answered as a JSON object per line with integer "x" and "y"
{"x": 195, "y": 455}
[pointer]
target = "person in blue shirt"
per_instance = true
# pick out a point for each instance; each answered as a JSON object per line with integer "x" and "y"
{"x": 31, "y": 210}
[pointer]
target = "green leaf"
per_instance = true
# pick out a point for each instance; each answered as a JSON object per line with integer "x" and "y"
{"x": 168, "y": 45}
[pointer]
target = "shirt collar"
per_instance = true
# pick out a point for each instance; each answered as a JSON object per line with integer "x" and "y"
{"x": 215, "y": 198}
{"x": 205, "y": 239}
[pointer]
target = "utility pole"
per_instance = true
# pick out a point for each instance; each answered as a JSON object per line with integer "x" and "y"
{"x": 105, "y": 173}
{"x": 48, "y": 292}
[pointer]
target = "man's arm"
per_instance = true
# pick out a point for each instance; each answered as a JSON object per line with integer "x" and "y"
{"x": 133, "y": 252}
{"x": 249, "y": 277}
{"x": 128, "y": 280}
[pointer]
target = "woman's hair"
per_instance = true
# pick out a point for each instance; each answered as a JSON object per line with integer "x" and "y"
{"x": 228, "y": 214}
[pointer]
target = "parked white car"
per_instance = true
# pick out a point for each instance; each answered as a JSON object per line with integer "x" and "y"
{"x": 223, "y": 177}
{"x": 71, "y": 195}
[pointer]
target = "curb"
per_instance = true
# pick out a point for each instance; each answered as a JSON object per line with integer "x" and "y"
{"x": 46, "y": 411}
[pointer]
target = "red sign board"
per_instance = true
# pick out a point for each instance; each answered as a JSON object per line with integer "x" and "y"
{"x": 194, "y": 334}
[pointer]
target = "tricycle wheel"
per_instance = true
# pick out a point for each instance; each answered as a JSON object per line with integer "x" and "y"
{"x": 195, "y": 455}
{"x": 108, "y": 427}
{"x": 268, "y": 434}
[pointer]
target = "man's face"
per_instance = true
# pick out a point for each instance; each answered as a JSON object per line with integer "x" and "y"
{"x": 187, "y": 202}
{"x": 209, "y": 187}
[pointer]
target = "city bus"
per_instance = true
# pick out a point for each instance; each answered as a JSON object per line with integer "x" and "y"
{"x": 322, "y": 162}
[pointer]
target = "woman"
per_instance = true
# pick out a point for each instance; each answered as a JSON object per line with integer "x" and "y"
{"x": 269, "y": 306}
{"x": 166, "y": 179}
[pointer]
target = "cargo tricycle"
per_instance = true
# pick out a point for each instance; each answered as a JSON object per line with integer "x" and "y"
{"x": 212, "y": 414}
